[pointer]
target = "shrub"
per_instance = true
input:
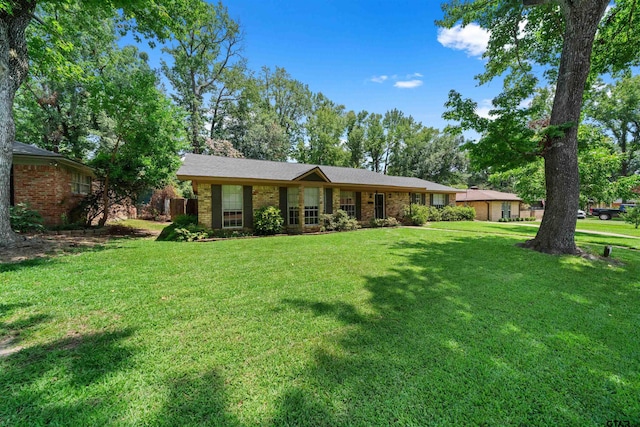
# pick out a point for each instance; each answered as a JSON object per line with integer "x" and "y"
{"x": 338, "y": 221}
{"x": 267, "y": 221}
{"x": 184, "y": 220}
{"x": 632, "y": 216}
{"x": 458, "y": 213}
{"x": 189, "y": 233}
{"x": 385, "y": 222}
{"x": 24, "y": 219}
{"x": 184, "y": 228}
{"x": 417, "y": 214}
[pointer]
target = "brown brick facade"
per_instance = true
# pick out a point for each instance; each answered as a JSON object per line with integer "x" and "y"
{"x": 46, "y": 189}
{"x": 269, "y": 195}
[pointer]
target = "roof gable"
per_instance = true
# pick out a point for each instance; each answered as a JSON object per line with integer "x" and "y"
{"x": 314, "y": 175}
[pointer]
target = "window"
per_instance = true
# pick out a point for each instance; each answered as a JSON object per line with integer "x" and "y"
{"x": 417, "y": 198}
{"x": 348, "y": 202}
{"x": 438, "y": 200}
{"x": 311, "y": 205}
{"x": 80, "y": 184}
{"x": 293, "y": 212}
{"x": 231, "y": 206}
{"x": 506, "y": 209}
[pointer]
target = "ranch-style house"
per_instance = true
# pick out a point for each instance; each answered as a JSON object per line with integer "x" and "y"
{"x": 229, "y": 190}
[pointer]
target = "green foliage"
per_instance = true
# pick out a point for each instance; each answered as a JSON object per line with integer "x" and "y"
{"x": 458, "y": 213}
{"x": 420, "y": 214}
{"x": 632, "y": 216}
{"x": 518, "y": 219}
{"x": 24, "y": 219}
{"x": 184, "y": 220}
{"x": 385, "y": 222}
{"x": 267, "y": 221}
{"x": 205, "y": 49}
{"x": 338, "y": 221}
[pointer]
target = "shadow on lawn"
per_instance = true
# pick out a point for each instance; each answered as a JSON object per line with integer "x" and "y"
{"x": 47, "y": 382}
{"x": 460, "y": 338}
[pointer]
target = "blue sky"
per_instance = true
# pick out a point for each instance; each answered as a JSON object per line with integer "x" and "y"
{"x": 367, "y": 55}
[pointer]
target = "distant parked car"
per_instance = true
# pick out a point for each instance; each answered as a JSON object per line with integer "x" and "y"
{"x": 581, "y": 214}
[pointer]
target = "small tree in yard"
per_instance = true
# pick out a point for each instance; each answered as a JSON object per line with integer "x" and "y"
{"x": 632, "y": 216}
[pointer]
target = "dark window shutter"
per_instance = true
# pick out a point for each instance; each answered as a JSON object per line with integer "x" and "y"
{"x": 446, "y": 200}
{"x": 424, "y": 199}
{"x": 431, "y": 199}
{"x": 328, "y": 200}
{"x": 247, "y": 206}
{"x": 358, "y": 205}
{"x": 283, "y": 203}
{"x": 216, "y": 206}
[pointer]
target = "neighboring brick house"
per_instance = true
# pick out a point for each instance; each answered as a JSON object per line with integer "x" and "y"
{"x": 47, "y": 182}
{"x": 491, "y": 205}
{"x": 230, "y": 190}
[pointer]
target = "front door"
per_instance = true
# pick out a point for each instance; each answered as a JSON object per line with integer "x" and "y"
{"x": 379, "y": 206}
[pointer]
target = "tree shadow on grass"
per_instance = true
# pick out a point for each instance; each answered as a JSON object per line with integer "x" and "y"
{"x": 476, "y": 331}
{"x": 47, "y": 384}
{"x": 196, "y": 399}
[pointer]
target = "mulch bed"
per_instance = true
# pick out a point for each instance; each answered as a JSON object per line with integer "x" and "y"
{"x": 54, "y": 243}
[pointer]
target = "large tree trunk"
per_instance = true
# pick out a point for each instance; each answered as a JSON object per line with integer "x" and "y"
{"x": 14, "y": 64}
{"x": 556, "y": 233}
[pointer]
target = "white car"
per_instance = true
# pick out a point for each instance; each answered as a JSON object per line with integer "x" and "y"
{"x": 581, "y": 214}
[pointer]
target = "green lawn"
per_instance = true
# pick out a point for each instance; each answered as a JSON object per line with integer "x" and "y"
{"x": 375, "y": 327}
{"x": 527, "y": 230}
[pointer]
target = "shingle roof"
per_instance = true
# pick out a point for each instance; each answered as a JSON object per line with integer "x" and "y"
{"x": 32, "y": 150}
{"x": 474, "y": 195}
{"x": 197, "y": 165}
{"x": 21, "y": 149}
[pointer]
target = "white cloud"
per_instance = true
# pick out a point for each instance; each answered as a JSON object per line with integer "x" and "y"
{"x": 483, "y": 109}
{"x": 408, "y": 84}
{"x": 472, "y": 39}
{"x": 379, "y": 79}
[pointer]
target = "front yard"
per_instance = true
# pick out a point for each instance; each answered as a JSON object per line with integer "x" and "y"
{"x": 375, "y": 327}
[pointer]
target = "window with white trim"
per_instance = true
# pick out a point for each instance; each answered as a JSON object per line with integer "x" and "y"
{"x": 438, "y": 200}
{"x": 293, "y": 211}
{"x": 348, "y": 202}
{"x": 311, "y": 205}
{"x": 80, "y": 184}
{"x": 231, "y": 206}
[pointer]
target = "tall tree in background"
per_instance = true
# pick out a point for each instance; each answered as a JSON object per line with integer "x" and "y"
{"x": 431, "y": 155}
{"x": 149, "y": 18}
{"x": 290, "y": 100}
{"x": 356, "y": 138}
{"x": 616, "y": 108}
{"x": 558, "y": 35}
{"x": 325, "y": 127}
{"x": 375, "y": 142}
{"x": 203, "y": 49}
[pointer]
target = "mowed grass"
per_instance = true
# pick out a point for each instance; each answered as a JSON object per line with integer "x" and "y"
{"x": 374, "y": 327}
{"x": 586, "y": 238}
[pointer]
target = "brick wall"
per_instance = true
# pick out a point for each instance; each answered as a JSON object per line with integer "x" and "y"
{"x": 265, "y": 196}
{"x": 204, "y": 205}
{"x": 46, "y": 189}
